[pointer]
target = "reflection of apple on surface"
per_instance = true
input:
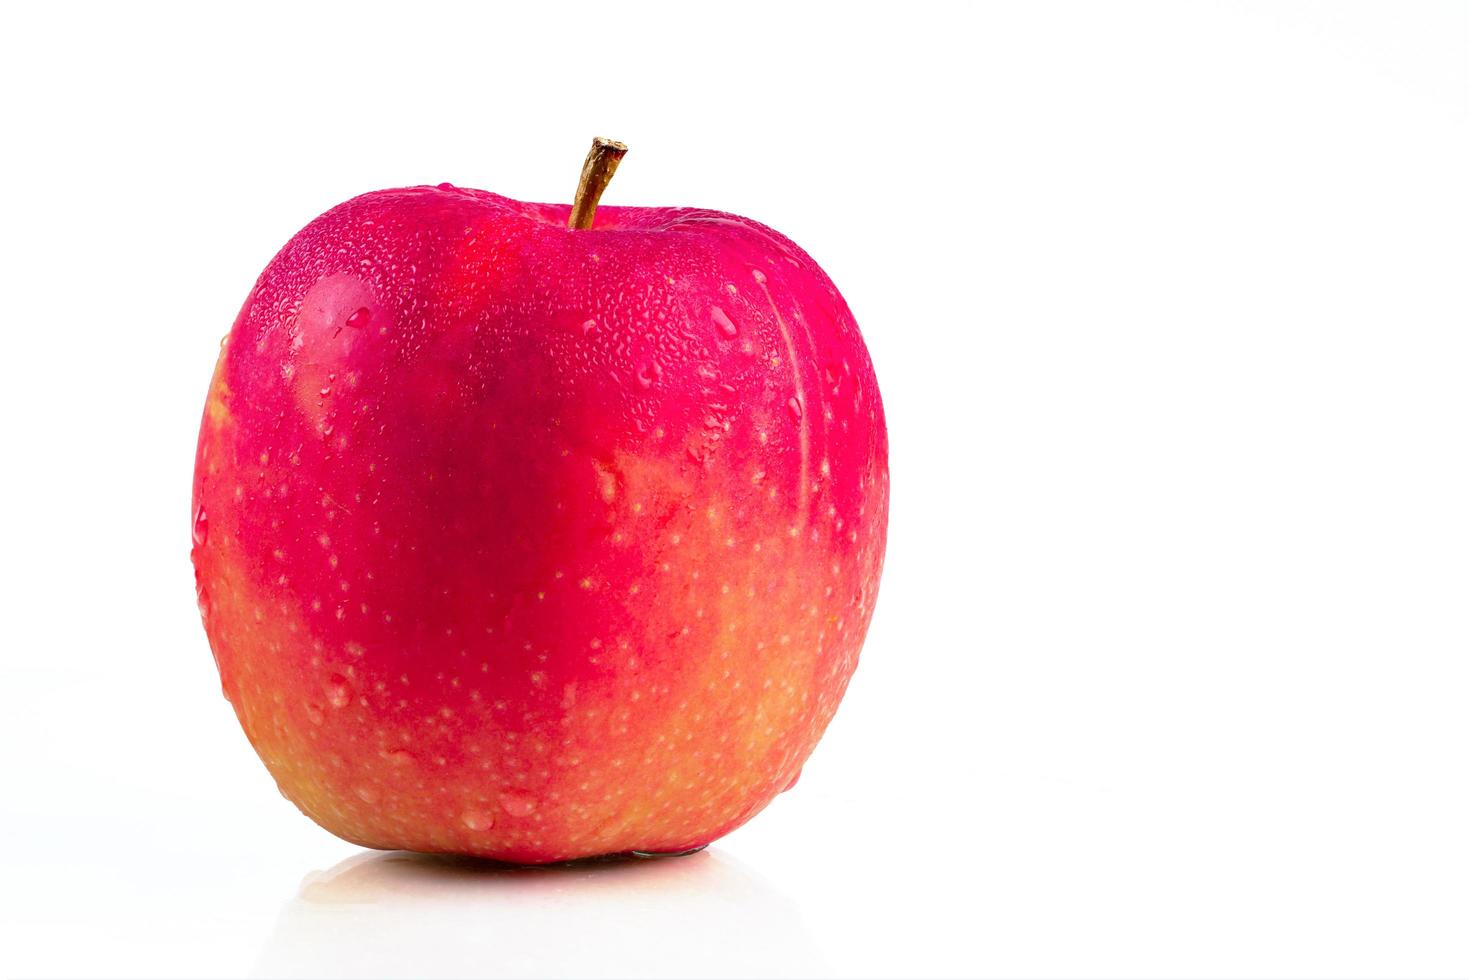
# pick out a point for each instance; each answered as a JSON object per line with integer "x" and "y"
{"x": 428, "y": 915}
{"x": 538, "y": 542}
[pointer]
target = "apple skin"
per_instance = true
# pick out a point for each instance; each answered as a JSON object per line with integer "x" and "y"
{"x": 538, "y": 544}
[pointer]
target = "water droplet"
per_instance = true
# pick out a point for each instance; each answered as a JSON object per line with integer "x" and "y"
{"x": 477, "y": 820}
{"x": 359, "y": 319}
{"x": 446, "y": 186}
{"x": 795, "y": 407}
{"x": 201, "y": 527}
{"x": 723, "y": 322}
{"x": 759, "y": 276}
{"x": 792, "y": 784}
{"x": 517, "y": 804}
{"x": 649, "y": 373}
{"x": 588, "y": 327}
{"x": 203, "y": 596}
{"x": 337, "y": 691}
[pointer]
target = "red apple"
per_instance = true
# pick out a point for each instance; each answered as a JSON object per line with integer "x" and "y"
{"x": 538, "y": 542}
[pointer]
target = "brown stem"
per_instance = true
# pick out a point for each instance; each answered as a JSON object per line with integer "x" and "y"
{"x": 602, "y": 160}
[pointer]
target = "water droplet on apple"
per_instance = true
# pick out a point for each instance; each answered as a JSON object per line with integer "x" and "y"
{"x": 360, "y": 318}
{"x": 723, "y": 322}
{"x": 588, "y": 327}
{"x": 795, "y": 407}
{"x": 446, "y": 186}
{"x": 517, "y": 804}
{"x": 759, "y": 276}
{"x": 337, "y": 691}
{"x": 203, "y": 596}
{"x": 477, "y": 820}
{"x": 201, "y": 527}
{"x": 649, "y": 373}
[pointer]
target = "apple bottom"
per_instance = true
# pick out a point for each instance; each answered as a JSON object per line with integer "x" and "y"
{"x": 660, "y": 741}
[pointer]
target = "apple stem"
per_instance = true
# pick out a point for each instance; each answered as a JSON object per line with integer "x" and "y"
{"x": 596, "y": 173}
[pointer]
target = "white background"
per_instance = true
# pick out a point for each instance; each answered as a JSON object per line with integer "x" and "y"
{"x": 1170, "y": 309}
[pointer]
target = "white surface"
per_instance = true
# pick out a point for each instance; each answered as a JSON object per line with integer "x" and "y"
{"x": 1168, "y": 303}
